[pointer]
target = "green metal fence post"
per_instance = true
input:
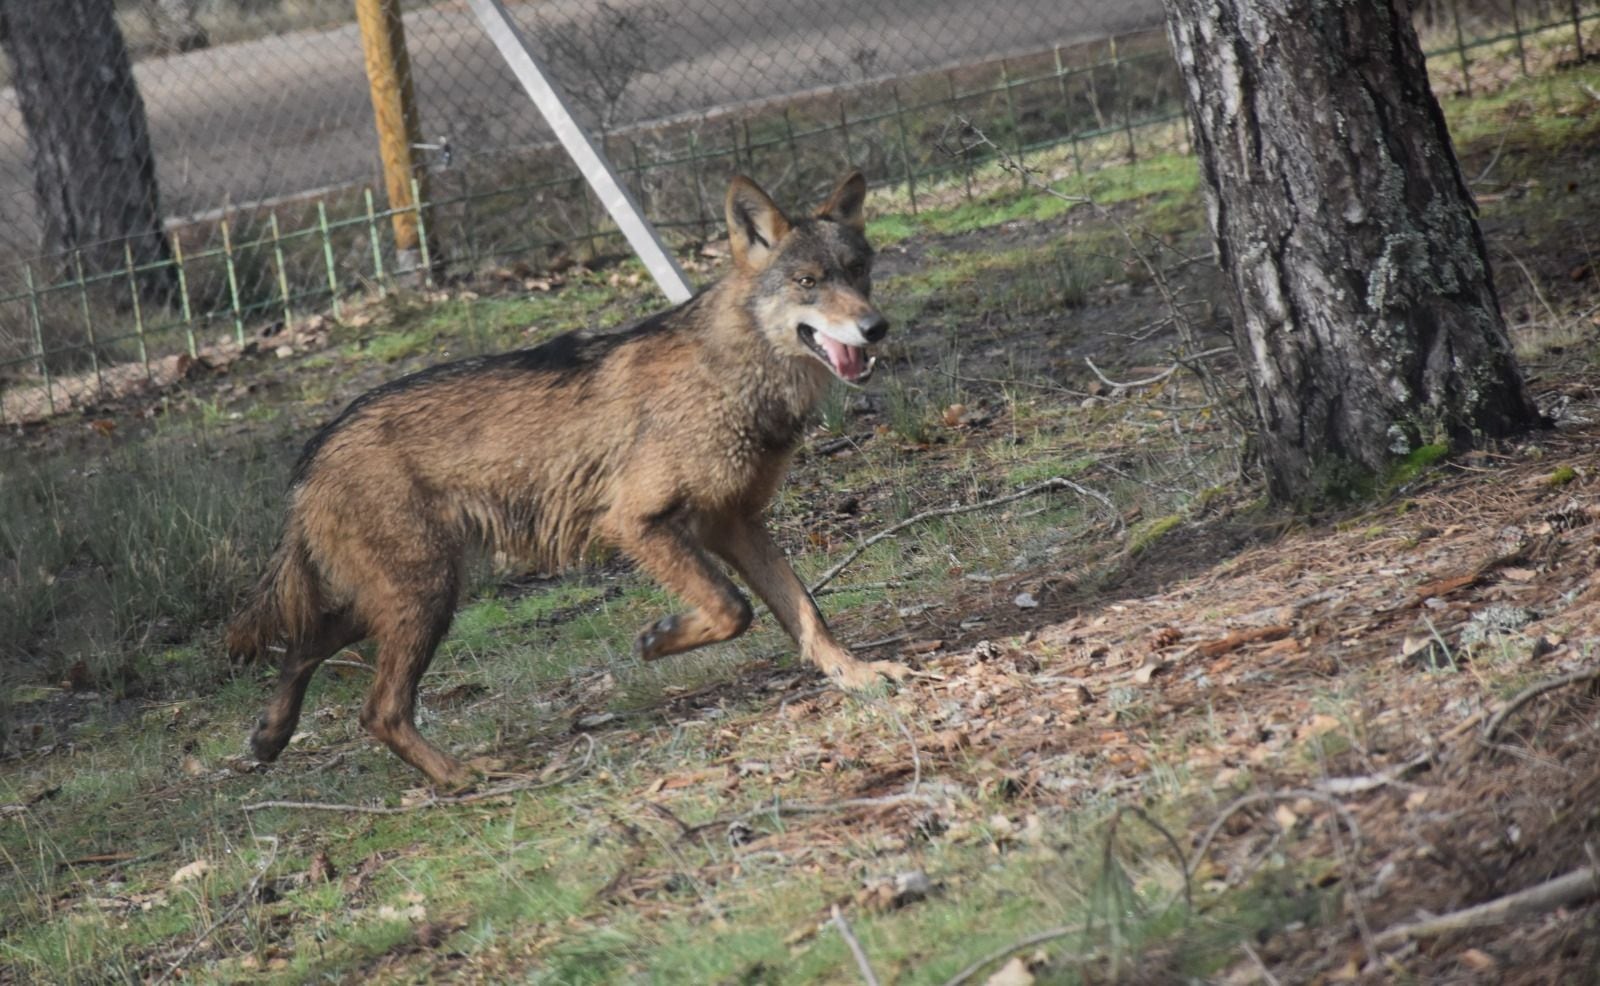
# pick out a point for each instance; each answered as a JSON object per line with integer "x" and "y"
{"x": 138, "y": 309}
{"x": 38, "y": 336}
{"x": 88, "y": 321}
{"x": 283, "y": 273}
{"x": 1516, "y": 29}
{"x": 327, "y": 258}
{"x": 844, "y": 136}
{"x": 1461, "y": 48}
{"x": 699, "y": 183}
{"x": 905, "y": 149}
{"x": 966, "y": 159}
{"x": 1577, "y": 29}
{"x": 233, "y": 282}
{"x": 1016, "y": 122}
{"x": 422, "y": 233}
{"x": 377, "y": 246}
{"x": 1066, "y": 114}
{"x": 183, "y": 296}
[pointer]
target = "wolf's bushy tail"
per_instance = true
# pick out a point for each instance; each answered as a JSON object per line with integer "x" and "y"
{"x": 282, "y": 608}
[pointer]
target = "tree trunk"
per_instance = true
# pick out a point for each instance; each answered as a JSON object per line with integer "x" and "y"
{"x": 93, "y": 173}
{"x": 1363, "y": 306}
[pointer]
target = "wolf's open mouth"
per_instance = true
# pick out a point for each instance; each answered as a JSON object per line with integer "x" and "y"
{"x": 849, "y": 363}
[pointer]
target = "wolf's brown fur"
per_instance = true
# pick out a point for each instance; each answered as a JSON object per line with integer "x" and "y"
{"x": 666, "y": 440}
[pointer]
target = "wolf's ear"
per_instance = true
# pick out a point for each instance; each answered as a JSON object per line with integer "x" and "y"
{"x": 755, "y": 224}
{"x": 844, "y": 205}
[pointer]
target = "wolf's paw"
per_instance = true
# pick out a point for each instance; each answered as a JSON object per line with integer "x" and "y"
{"x": 647, "y": 646}
{"x": 266, "y": 743}
{"x": 865, "y": 675}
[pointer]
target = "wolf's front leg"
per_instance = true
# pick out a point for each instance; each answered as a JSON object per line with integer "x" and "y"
{"x": 747, "y": 546}
{"x": 719, "y": 611}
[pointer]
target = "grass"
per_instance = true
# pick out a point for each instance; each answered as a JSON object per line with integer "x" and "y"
{"x": 678, "y": 849}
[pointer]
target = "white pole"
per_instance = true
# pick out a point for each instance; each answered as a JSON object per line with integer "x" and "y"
{"x": 623, "y": 209}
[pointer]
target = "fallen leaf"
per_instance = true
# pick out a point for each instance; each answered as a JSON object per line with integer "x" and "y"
{"x": 1148, "y": 671}
{"x": 193, "y": 871}
{"x": 1285, "y": 817}
{"x": 1013, "y": 973}
{"x": 1320, "y": 724}
{"x": 1519, "y": 574}
{"x": 1479, "y": 961}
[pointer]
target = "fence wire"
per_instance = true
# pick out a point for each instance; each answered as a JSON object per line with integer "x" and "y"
{"x": 267, "y": 196}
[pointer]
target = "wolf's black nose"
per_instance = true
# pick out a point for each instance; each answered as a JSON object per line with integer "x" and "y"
{"x": 874, "y": 327}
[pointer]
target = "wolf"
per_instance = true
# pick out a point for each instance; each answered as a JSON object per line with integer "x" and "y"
{"x": 665, "y": 440}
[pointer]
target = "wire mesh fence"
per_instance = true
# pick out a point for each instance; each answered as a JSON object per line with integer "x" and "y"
{"x": 264, "y": 192}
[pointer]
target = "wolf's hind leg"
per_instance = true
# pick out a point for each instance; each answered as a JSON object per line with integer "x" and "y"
{"x": 720, "y": 612}
{"x": 408, "y": 623}
{"x": 300, "y": 662}
{"x": 761, "y": 563}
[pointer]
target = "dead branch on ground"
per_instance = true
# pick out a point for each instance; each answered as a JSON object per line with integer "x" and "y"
{"x": 1563, "y": 890}
{"x": 867, "y": 975}
{"x": 1522, "y": 698}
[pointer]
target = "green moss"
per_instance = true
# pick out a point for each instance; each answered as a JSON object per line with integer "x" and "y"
{"x": 1561, "y": 477}
{"x": 1144, "y": 535}
{"x": 1414, "y": 464}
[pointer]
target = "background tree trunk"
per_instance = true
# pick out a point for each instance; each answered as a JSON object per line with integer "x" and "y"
{"x": 89, "y": 144}
{"x": 1363, "y": 305}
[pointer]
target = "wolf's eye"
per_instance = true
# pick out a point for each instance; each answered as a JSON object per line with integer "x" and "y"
{"x": 806, "y": 281}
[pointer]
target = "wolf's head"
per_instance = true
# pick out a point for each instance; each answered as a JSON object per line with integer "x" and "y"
{"x": 813, "y": 278}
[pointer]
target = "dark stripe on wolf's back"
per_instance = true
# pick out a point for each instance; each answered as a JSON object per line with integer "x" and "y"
{"x": 570, "y": 353}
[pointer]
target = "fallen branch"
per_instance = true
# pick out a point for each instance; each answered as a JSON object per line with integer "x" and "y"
{"x": 1293, "y": 794}
{"x": 1367, "y": 782}
{"x": 1237, "y": 639}
{"x": 1038, "y": 938}
{"x": 247, "y": 895}
{"x": 1531, "y": 692}
{"x": 1058, "y": 483}
{"x": 867, "y": 975}
{"x": 1180, "y": 363}
{"x": 1570, "y": 889}
{"x": 434, "y": 802}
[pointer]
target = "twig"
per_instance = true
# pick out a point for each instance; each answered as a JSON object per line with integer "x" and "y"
{"x": 858, "y": 587}
{"x": 916, "y": 758}
{"x": 1531, "y": 692}
{"x": 1367, "y": 782}
{"x": 1293, "y": 794}
{"x": 867, "y": 975}
{"x": 1130, "y": 384}
{"x": 1575, "y": 886}
{"x": 893, "y": 638}
{"x": 1057, "y": 483}
{"x": 434, "y": 802}
{"x": 1035, "y": 939}
{"x": 1261, "y": 966}
{"x": 1494, "y": 158}
{"x": 1172, "y": 841}
{"x": 248, "y": 895}
{"x": 357, "y": 665}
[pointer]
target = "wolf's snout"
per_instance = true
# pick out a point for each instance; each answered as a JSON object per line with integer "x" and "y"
{"x": 874, "y": 327}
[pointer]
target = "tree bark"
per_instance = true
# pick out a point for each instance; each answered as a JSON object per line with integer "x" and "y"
{"x": 1364, "y": 308}
{"x": 89, "y": 144}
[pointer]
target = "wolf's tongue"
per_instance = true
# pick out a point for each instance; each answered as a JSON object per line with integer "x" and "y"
{"x": 848, "y": 361}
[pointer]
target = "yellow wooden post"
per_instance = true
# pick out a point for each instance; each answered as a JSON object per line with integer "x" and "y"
{"x": 394, "y": 109}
